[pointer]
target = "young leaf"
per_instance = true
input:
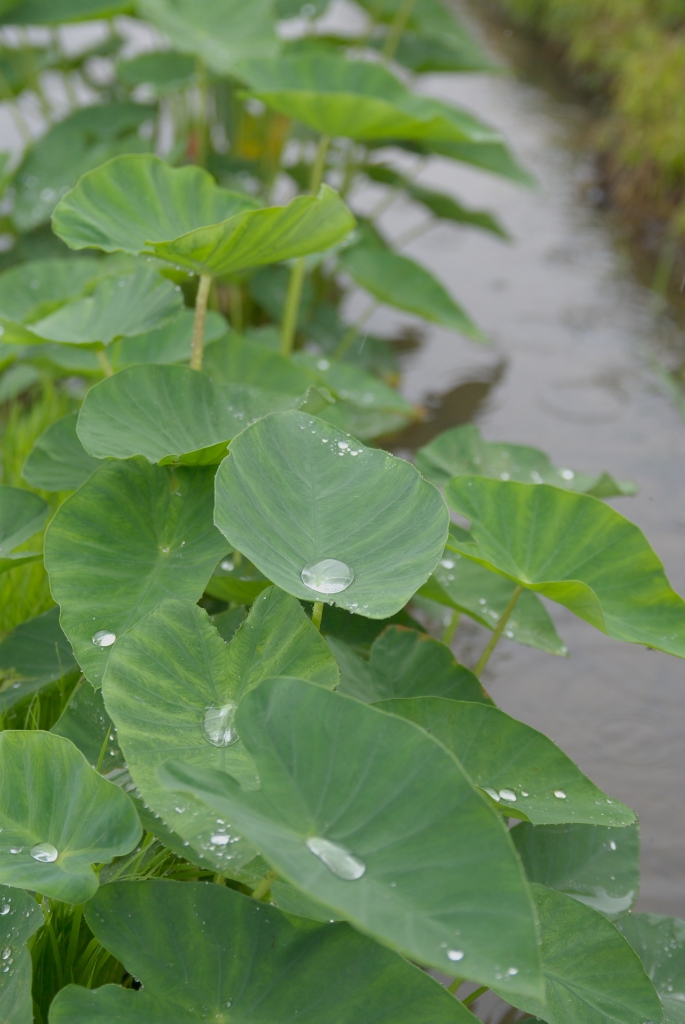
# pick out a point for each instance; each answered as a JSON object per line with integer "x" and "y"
{"x": 398, "y": 281}
{"x": 592, "y": 975}
{"x": 596, "y": 865}
{"x": 463, "y": 452}
{"x": 58, "y": 461}
{"x": 660, "y": 944}
{"x": 34, "y": 655}
{"x": 296, "y": 495}
{"x": 200, "y": 950}
{"x": 118, "y": 307}
{"x": 481, "y": 594}
{"x": 58, "y": 817}
{"x": 404, "y": 663}
{"x": 371, "y": 817}
{"x": 575, "y": 550}
{"x": 519, "y": 767}
{"x": 170, "y": 343}
{"x": 21, "y": 918}
{"x": 358, "y": 99}
{"x": 217, "y": 33}
{"x": 132, "y": 536}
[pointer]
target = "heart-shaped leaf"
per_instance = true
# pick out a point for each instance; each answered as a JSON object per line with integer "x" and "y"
{"x": 131, "y": 537}
{"x": 370, "y": 816}
{"x": 398, "y": 281}
{"x": 218, "y": 33}
{"x": 170, "y": 343}
{"x": 483, "y": 595}
{"x": 202, "y": 950}
{"x": 56, "y": 12}
{"x": 404, "y": 663}
{"x": 358, "y": 99}
{"x": 519, "y": 767}
{"x": 58, "y": 817}
{"x": 169, "y": 414}
{"x": 139, "y": 204}
{"x": 304, "y": 501}
{"x": 598, "y": 866}
{"x": 462, "y": 451}
{"x": 34, "y": 655}
{"x": 575, "y": 550}
{"x": 118, "y": 307}
{"x": 660, "y": 944}
{"x": 592, "y": 975}
{"x": 21, "y": 918}
{"x": 58, "y": 461}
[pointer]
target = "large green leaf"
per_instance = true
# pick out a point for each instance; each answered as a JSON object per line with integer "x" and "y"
{"x": 84, "y": 140}
{"x": 56, "y": 12}
{"x": 58, "y": 461}
{"x": 169, "y": 413}
{"x": 131, "y": 537}
{"x": 408, "y": 851}
{"x": 404, "y": 663}
{"x": 140, "y": 204}
{"x": 58, "y": 817}
{"x": 468, "y": 587}
{"x": 296, "y": 492}
{"x": 205, "y": 952}
{"x": 598, "y": 866}
{"x": 172, "y": 682}
{"x": 168, "y": 344}
{"x": 592, "y": 975}
{"x": 21, "y": 918}
{"x": 398, "y": 281}
{"x": 519, "y": 767}
{"x": 218, "y": 33}
{"x": 118, "y": 307}
{"x": 660, "y": 944}
{"x": 359, "y": 99}
{"x": 462, "y": 451}
{"x": 34, "y": 655}
{"x": 575, "y": 550}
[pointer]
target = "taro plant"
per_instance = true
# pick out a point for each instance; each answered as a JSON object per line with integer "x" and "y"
{"x": 239, "y": 779}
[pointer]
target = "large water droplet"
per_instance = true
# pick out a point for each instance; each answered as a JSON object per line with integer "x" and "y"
{"x": 507, "y": 794}
{"x": 511, "y": 971}
{"x": 492, "y": 792}
{"x": 560, "y": 794}
{"x": 220, "y": 840}
{"x": 455, "y": 954}
{"x": 336, "y": 858}
{"x": 329, "y": 576}
{"x": 6, "y": 953}
{"x": 104, "y": 638}
{"x": 4, "y": 909}
{"x": 45, "y": 853}
{"x": 219, "y": 725}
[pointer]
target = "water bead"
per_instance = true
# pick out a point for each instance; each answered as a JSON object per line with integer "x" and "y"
{"x": 4, "y": 909}
{"x": 44, "y": 853}
{"x": 6, "y": 953}
{"x": 337, "y": 859}
{"x": 104, "y": 638}
{"x": 447, "y": 563}
{"x": 492, "y": 792}
{"x": 455, "y": 954}
{"x": 329, "y": 576}
{"x": 16, "y": 849}
{"x": 219, "y": 725}
{"x": 507, "y": 794}
{"x": 560, "y": 794}
{"x": 511, "y": 971}
{"x": 612, "y": 845}
{"x": 567, "y": 474}
{"x": 227, "y": 565}
{"x": 220, "y": 840}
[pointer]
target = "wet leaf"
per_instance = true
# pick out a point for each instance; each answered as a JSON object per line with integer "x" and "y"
{"x": 21, "y": 918}
{"x": 660, "y": 944}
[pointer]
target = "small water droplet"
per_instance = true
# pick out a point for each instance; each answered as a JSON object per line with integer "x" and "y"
{"x": 6, "y": 953}
{"x": 567, "y": 474}
{"x": 16, "y": 849}
{"x": 612, "y": 845}
{"x": 560, "y": 794}
{"x": 104, "y": 638}
{"x": 492, "y": 792}
{"x": 511, "y": 971}
{"x": 523, "y": 793}
{"x": 455, "y": 954}
{"x": 166, "y": 550}
{"x": 220, "y": 840}
{"x": 505, "y": 476}
{"x": 329, "y": 576}
{"x": 343, "y": 445}
{"x": 45, "y": 853}
{"x": 336, "y": 858}
{"x": 4, "y": 909}
{"x": 323, "y": 364}
{"x": 535, "y": 477}
{"x": 447, "y": 563}
{"x": 227, "y": 565}
{"x": 507, "y": 794}
{"x": 219, "y": 725}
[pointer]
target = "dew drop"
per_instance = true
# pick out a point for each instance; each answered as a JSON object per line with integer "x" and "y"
{"x": 455, "y": 954}
{"x": 491, "y": 792}
{"x": 220, "y": 840}
{"x": 104, "y": 638}
{"x": 447, "y": 563}
{"x": 336, "y": 858}
{"x": 219, "y": 725}
{"x": 523, "y": 793}
{"x": 6, "y": 953}
{"x": 329, "y": 576}
{"x": 505, "y": 476}
{"x": 612, "y": 845}
{"x": 507, "y": 794}
{"x": 560, "y": 794}
{"x": 511, "y": 971}
{"x": 4, "y": 909}
{"x": 16, "y": 849}
{"x": 45, "y": 853}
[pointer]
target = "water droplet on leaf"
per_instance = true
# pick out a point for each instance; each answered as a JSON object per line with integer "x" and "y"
{"x": 219, "y": 725}
{"x": 329, "y": 576}
{"x": 45, "y": 853}
{"x": 507, "y": 794}
{"x": 336, "y": 858}
{"x": 455, "y": 954}
{"x": 104, "y": 638}
{"x": 560, "y": 794}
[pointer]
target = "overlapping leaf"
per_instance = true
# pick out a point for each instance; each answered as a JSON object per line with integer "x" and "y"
{"x": 22, "y": 514}
{"x": 34, "y": 289}
{"x": 660, "y": 944}
{"x": 34, "y": 655}
{"x": 58, "y": 461}
{"x": 295, "y": 491}
{"x": 58, "y": 817}
{"x": 575, "y": 550}
{"x": 166, "y": 71}
{"x": 168, "y": 344}
{"x": 238, "y": 360}
{"x": 21, "y": 918}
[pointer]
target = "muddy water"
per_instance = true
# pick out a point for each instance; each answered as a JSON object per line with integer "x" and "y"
{"x": 566, "y": 372}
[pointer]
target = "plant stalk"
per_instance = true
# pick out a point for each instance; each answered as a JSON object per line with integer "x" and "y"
{"x": 448, "y": 635}
{"x": 457, "y": 983}
{"x": 317, "y": 613}
{"x": 499, "y": 629}
{"x": 319, "y": 165}
{"x": 198, "y": 345}
{"x": 104, "y": 362}
{"x": 474, "y": 995}
{"x": 399, "y": 24}
{"x": 262, "y": 889}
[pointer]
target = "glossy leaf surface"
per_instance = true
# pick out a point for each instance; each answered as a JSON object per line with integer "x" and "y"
{"x": 35, "y": 654}
{"x": 295, "y": 491}
{"x": 660, "y": 944}
{"x": 200, "y": 950}
{"x": 131, "y": 537}
{"x": 597, "y": 866}
{"x": 421, "y": 862}
{"x": 58, "y": 460}
{"x": 58, "y": 817}
{"x": 21, "y": 918}
{"x": 575, "y": 550}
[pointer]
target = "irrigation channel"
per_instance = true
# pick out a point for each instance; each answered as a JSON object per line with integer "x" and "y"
{"x": 568, "y": 371}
